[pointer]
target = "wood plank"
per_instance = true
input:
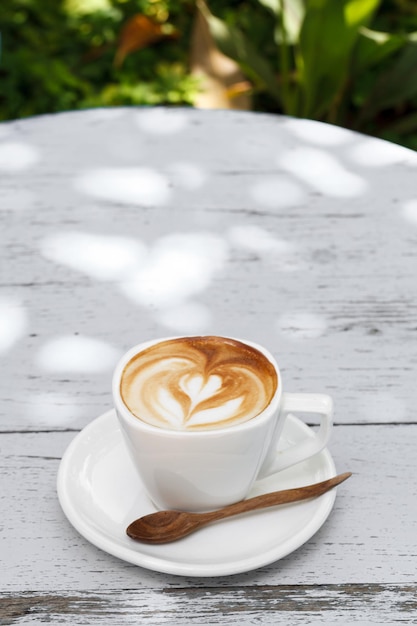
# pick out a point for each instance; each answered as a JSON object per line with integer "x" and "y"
{"x": 369, "y": 536}
{"x": 268, "y": 604}
{"x": 325, "y": 280}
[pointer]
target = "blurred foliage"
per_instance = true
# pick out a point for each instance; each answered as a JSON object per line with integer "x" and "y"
{"x": 347, "y": 62}
{"x": 60, "y": 55}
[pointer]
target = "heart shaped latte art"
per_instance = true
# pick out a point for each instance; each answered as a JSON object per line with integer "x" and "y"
{"x": 198, "y": 383}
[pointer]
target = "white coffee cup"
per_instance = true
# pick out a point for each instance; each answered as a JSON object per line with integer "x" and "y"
{"x": 208, "y": 469}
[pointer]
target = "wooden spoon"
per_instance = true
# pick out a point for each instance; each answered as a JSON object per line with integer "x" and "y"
{"x": 166, "y": 526}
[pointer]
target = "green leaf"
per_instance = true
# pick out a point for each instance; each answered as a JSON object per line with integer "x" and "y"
{"x": 358, "y": 12}
{"x": 327, "y": 39}
{"x": 234, "y": 44}
{"x": 373, "y": 47}
{"x": 395, "y": 86}
{"x": 293, "y": 17}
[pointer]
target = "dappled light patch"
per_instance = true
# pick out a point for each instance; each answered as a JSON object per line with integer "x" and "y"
{"x": 100, "y": 256}
{"x": 158, "y": 121}
{"x": 410, "y": 211}
{"x": 17, "y": 157}
{"x": 125, "y": 185}
{"x": 318, "y": 133}
{"x": 258, "y": 239}
{"x": 161, "y": 278}
{"x": 277, "y": 192}
{"x": 323, "y": 172}
{"x": 187, "y": 175}
{"x": 179, "y": 265}
{"x": 371, "y": 152}
{"x": 301, "y": 325}
{"x": 284, "y": 255}
{"x": 13, "y": 323}
{"x": 73, "y": 353}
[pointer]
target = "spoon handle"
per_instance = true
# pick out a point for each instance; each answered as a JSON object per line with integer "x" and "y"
{"x": 277, "y": 497}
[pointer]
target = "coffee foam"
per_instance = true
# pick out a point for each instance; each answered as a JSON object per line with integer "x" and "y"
{"x": 198, "y": 383}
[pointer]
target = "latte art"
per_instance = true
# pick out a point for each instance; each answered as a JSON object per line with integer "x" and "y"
{"x": 198, "y": 383}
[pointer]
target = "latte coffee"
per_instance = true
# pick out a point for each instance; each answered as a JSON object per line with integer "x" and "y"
{"x": 198, "y": 383}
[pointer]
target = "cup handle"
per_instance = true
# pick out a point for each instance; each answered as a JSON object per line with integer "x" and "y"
{"x": 319, "y": 404}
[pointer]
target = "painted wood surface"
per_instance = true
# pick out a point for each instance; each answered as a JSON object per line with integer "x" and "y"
{"x": 269, "y": 604}
{"x": 369, "y": 537}
{"x": 121, "y": 225}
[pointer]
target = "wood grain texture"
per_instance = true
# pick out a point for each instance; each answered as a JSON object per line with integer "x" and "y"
{"x": 369, "y": 536}
{"x": 121, "y": 225}
{"x": 267, "y": 604}
{"x": 306, "y": 239}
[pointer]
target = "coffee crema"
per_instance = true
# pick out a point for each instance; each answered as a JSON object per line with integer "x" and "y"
{"x": 198, "y": 383}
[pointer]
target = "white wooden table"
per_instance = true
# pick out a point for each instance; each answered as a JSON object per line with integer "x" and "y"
{"x": 121, "y": 225}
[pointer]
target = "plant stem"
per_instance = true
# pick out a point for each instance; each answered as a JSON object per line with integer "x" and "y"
{"x": 285, "y": 63}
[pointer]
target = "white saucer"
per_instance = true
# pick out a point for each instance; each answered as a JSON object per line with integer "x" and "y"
{"x": 100, "y": 493}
